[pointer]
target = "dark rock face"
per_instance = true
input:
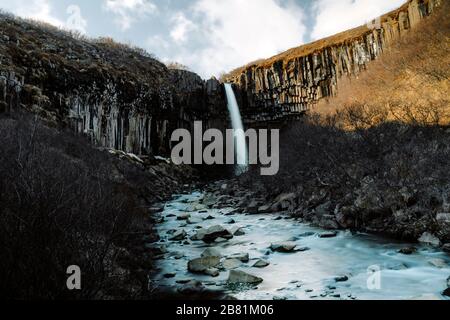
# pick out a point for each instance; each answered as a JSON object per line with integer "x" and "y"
{"x": 293, "y": 82}
{"x": 120, "y": 97}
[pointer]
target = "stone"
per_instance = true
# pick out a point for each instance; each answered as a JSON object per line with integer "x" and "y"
{"x": 220, "y": 240}
{"x": 446, "y": 292}
{"x": 241, "y": 277}
{"x": 229, "y": 264}
{"x": 407, "y": 250}
{"x": 183, "y": 281}
{"x": 192, "y": 287}
{"x": 446, "y": 247}
{"x": 200, "y": 265}
{"x": 253, "y": 207}
{"x": 438, "y": 263}
{"x": 183, "y": 216}
{"x": 329, "y": 234}
{"x": 170, "y": 275}
{"x": 261, "y": 264}
{"x": 213, "y": 272}
{"x": 238, "y": 232}
{"x": 231, "y": 221}
{"x": 211, "y": 252}
{"x": 193, "y": 221}
{"x": 428, "y": 238}
{"x": 178, "y": 235}
{"x": 265, "y": 209}
{"x": 215, "y": 232}
{"x": 244, "y": 257}
{"x": 199, "y": 235}
{"x": 284, "y": 247}
{"x": 448, "y": 282}
{"x": 341, "y": 279}
{"x": 443, "y": 217}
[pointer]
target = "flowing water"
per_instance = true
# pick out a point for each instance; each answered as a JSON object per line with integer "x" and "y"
{"x": 300, "y": 275}
{"x": 236, "y": 121}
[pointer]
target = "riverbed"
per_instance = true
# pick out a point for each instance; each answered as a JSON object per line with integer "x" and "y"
{"x": 324, "y": 265}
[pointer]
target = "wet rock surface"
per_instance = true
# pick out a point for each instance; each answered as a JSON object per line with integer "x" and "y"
{"x": 262, "y": 264}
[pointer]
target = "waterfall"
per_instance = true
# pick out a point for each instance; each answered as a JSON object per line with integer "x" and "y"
{"x": 239, "y": 135}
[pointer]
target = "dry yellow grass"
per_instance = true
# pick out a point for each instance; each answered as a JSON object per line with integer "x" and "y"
{"x": 410, "y": 83}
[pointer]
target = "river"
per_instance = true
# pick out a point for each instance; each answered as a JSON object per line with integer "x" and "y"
{"x": 345, "y": 266}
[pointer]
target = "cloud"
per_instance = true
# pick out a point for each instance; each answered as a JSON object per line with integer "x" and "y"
{"x": 181, "y": 27}
{"x": 34, "y": 9}
{"x": 129, "y": 11}
{"x": 75, "y": 21}
{"x": 215, "y": 36}
{"x": 334, "y": 16}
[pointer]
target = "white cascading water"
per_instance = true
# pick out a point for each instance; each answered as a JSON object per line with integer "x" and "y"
{"x": 236, "y": 121}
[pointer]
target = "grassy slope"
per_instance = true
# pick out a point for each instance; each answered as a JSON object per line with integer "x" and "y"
{"x": 409, "y": 83}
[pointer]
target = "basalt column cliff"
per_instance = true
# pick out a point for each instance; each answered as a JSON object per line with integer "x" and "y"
{"x": 292, "y": 82}
{"x": 121, "y": 97}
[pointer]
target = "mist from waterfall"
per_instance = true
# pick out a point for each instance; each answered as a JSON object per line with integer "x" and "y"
{"x": 240, "y": 144}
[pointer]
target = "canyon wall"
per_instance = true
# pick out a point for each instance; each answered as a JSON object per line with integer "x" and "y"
{"x": 121, "y": 97}
{"x": 293, "y": 82}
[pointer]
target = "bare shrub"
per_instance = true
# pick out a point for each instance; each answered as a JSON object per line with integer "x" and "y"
{"x": 58, "y": 207}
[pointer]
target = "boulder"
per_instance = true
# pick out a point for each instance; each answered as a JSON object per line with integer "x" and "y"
{"x": 253, "y": 207}
{"x": 200, "y": 265}
{"x": 341, "y": 279}
{"x": 230, "y": 264}
{"x": 211, "y": 252}
{"x": 212, "y": 233}
{"x": 285, "y": 247}
{"x": 428, "y": 238}
{"x": 213, "y": 272}
{"x": 244, "y": 257}
{"x": 446, "y": 292}
{"x": 178, "y": 235}
{"x": 199, "y": 235}
{"x": 261, "y": 264}
{"x": 237, "y": 232}
{"x": 446, "y": 247}
{"x": 241, "y": 277}
{"x": 438, "y": 263}
{"x": 443, "y": 217}
{"x": 183, "y": 216}
{"x": 329, "y": 234}
{"x": 192, "y": 287}
{"x": 194, "y": 221}
{"x": 407, "y": 250}
{"x": 265, "y": 209}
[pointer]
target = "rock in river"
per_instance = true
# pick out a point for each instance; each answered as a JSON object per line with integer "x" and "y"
{"x": 329, "y": 234}
{"x": 178, "y": 235}
{"x": 212, "y": 233}
{"x": 244, "y": 257}
{"x": 241, "y": 277}
{"x": 230, "y": 264}
{"x": 183, "y": 216}
{"x": 200, "y": 265}
{"x": 211, "y": 252}
{"x": 438, "y": 263}
{"x": 407, "y": 251}
{"x": 261, "y": 264}
{"x": 287, "y": 246}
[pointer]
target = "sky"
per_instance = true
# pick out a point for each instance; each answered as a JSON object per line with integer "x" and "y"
{"x": 210, "y": 37}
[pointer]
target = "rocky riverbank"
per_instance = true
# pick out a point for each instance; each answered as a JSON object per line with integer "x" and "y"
{"x": 209, "y": 247}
